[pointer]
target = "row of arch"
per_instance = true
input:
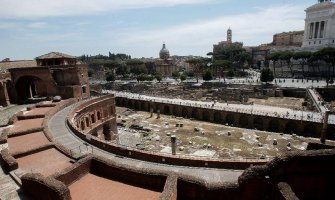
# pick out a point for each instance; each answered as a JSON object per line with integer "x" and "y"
{"x": 223, "y": 117}
{"x": 87, "y": 120}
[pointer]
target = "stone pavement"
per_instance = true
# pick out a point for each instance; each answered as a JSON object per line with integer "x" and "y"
{"x": 64, "y": 136}
{"x": 8, "y": 112}
{"x": 9, "y": 190}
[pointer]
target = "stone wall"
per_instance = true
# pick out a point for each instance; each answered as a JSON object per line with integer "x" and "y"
{"x": 232, "y": 118}
{"x": 298, "y": 175}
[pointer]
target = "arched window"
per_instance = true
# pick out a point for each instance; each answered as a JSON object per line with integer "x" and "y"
{"x": 99, "y": 115}
{"x": 93, "y": 118}
{"x": 87, "y": 122}
{"x": 82, "y": 125}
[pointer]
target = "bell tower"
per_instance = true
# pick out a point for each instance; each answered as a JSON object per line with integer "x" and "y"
{"x": 229, "y": 35}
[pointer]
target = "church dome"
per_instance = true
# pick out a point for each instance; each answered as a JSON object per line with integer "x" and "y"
{"x": 164, "y": 53}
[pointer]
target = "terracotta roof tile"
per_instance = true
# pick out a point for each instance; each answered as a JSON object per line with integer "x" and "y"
{"x": 52, "y": 55}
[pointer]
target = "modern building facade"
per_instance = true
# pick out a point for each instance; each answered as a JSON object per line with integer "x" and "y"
{"x": 320, "y": 25}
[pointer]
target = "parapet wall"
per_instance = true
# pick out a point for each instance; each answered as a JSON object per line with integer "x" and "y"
{"x": 299, "y": 175}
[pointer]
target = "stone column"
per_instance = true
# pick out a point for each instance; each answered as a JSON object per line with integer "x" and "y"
{"x": 324, "y": 127}
{"x": 7, "y": 103}
{"x": 173, "y": 144}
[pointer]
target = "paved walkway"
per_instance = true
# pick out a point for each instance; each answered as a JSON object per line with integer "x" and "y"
{"x": 64, "y": 136}
{"x": 317, "y": 100}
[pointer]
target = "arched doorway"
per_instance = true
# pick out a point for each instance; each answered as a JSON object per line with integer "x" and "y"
{"x": 195, "y": 114}
{"x": 291, "y": 127}
{"x": 137, "y": 105}
{"x": 166, "y": 110}
{"x": 217, "y": 117}
{"x": 310, "y": 131}
{"x": 274, "y": 125}
{"x": 175, "y": 111}
{"x": 244, "y": 122}
{"x": 30, "y": 87}
{"x": 230, "y": 119}
{"x": 205, "y": 115}
{"x": 258, "y": 123}
{"x": 184, "y": 113}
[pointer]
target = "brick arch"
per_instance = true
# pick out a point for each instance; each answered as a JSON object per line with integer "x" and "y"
{"x": 258, "y": 123}
{"x": 82, "y": 125}
{"x": 218, "y": 118}
{"x": 130, "y": 104}
{"x": 124, "y": 102}
{"x": 175, "y": 111}
{"x": 291, "y": 127}
{"x": 244, "y": 121}
{"x": 195, "y": 114}
{"x": 274, "y": 125}
{"x": 99, "y": 115}
{"x": 29, "y": 86}
{"x": 166, "y": 109}
{"x": 144, "y": 106}
{"x": 184, "y": 112}
{"x": 93, "y": 119}
{"x": 230, "y": 119}
{"x": 137, "y": 105}
{"x": 206, "y": 115}
{"x": 310, "y": 130}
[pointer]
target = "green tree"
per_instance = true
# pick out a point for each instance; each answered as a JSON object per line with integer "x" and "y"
{"x": 207, "y": 75}
{"x": 286, "y": 57}
{"x": 303, "y": 57}
{"x": 222, "y": 66}
{"x": 274, "y": 57}
{"x": 110, "y": 77}
{"x": 327, "y": 55}
{"x": 175, "y": 75}
{"x": 198, "y": 64}
{"x": 182, "y": 77}
{"x": 266, "y": 75}
{"x": 159, "y": 77}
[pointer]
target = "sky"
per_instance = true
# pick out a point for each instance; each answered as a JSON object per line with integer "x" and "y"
{"x": 30, "y": 28}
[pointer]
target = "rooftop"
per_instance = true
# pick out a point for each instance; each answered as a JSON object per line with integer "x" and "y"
{"x": 53, "y": 55}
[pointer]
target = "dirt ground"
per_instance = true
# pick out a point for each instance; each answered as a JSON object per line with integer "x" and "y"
{"x": 284, "y": 102}
{"x": 197, "y": 138}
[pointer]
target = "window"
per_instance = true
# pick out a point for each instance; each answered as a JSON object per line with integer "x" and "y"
{"x": 84, "y": 89}
{"x": 322, "y": 29}
{"x": 319, "y": 42}
{"x": 99, "y": 115}
{"x": 316, "y": 32}
{"x": 311, "y": 27}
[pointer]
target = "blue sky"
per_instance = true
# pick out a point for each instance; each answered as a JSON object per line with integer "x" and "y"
{"x": 29, "y": 28}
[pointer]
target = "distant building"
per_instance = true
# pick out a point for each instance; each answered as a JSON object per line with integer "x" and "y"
{"x": 293, "y": 38}
{"x": 165, "y": 64}
{"x": 320, "y": 26}
{"x": 217, "y": 48}
{"x": 52, "y": 74}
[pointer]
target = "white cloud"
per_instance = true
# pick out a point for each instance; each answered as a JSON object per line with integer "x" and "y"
{"x": 250, "y": 28}
{"x": 45, "y": 8}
